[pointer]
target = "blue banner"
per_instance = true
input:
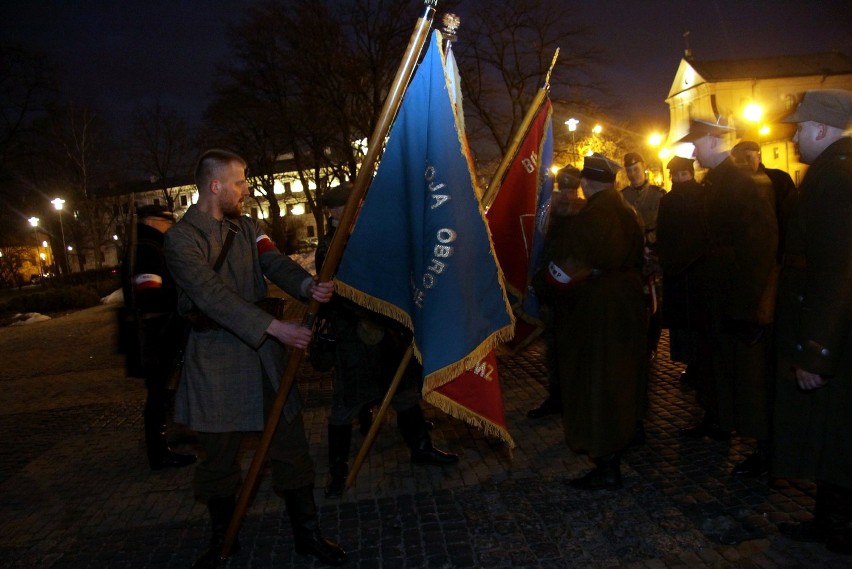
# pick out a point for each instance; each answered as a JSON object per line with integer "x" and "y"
{"x": 420, "y": 251}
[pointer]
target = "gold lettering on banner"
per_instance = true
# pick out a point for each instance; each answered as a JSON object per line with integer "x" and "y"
{"x": 484, "y": 370}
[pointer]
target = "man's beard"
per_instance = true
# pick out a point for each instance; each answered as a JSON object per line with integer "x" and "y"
{"x": 234, "y": 212}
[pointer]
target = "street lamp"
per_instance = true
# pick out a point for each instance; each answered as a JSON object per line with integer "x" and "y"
{"x": 34, "y": 222}
{"x": 572, "y": 128}
{"x": 655, "y": 140}
{"x": 58, "y": 203}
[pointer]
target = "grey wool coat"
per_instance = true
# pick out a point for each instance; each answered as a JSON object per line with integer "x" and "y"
{"x": 221, "y": 386}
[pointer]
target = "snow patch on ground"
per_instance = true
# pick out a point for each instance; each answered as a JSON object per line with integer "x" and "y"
{"x": 28, "y": 318}
{"x": 116, "y": 297}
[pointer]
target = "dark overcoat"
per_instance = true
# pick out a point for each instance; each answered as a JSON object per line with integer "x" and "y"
{"x": 742, "y": 238}
{"x": 814, "y": 326}
{"x": 680, "y": 248}
{"x": 600, "y": 326}
{"x": 221, "y": 388}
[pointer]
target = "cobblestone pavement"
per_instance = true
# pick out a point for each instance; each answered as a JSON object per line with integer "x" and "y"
{"x": 76, "y": 491}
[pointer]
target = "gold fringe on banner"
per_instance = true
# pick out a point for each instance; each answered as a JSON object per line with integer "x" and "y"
{"x": 457, "y": 411}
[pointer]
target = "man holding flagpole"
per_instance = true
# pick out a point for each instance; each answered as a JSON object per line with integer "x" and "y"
{"x": 236, "y": 353}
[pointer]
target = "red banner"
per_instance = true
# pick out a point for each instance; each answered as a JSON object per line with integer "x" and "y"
{"x": 477, "y": 391}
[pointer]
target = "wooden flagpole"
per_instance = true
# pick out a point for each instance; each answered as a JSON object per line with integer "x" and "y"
{"x": 332, "y": 259}
{"x": 378, "y": 421}
{"x": 451, "y": 23}
{"x": 491, "y": 193}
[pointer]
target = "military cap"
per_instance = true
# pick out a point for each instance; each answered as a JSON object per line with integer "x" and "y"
{"x": 632, "y": 158}
{"x": 745, "y": 146}
{"x": 600, "y": 168}
{"x": 337, "y": 196}
{"x": 827, "y": 106}
{"x": 154, "y": 210}
{"x": 679, "y": 163}
{"x": 568, "y": 178}
{"x": 699, "y": 128}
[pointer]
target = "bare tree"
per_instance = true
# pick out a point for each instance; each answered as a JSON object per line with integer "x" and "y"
{"x": 161, "y": 145}
{"x": 316, "y": 74}
{"x": 28, "y": 89}
{"x": 79, "y": 153}
{"x": 12, "y": 260}
{"x": 504, "y": 50}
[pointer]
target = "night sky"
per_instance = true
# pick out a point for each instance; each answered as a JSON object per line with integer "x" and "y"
{"x": 123, "y": 54}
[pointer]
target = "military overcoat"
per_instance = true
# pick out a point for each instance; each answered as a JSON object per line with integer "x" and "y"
{"x": 814, "y": 326}
{"x": 742, "y": 239}
{"x": 600, "y": 326}
{"x": 221, "y": 388}
{"x": 680, "y": 248}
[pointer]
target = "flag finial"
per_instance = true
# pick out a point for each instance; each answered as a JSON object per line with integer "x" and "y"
{"x": 451, "y": 24}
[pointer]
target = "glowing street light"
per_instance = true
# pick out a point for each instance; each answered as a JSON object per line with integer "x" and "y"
{"x": 655, "y": 139}
{"x": 752, "y": 112}
{"x": 34, "y": 222}
{"x": 58, "y": 203}
{"x": 597, "y": 129}
{"x": 572, "y": 128}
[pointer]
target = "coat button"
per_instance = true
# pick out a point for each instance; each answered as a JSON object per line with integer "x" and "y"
{"x": 824, "y": 352}
{"x": 799, "y": 347}
{"x": 800, "y": 298}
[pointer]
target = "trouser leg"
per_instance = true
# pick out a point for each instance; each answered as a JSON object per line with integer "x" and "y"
{"x": 412, "y": 425}
{"x": 302, "y": 512}
{"x": 216, "y": 481}
{"x": 339, "y": 442}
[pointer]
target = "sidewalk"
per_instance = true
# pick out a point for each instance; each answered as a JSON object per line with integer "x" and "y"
{"x": 76, "y": 490}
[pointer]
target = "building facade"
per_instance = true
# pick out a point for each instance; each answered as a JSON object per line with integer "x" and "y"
{"x": 751, "y": 95}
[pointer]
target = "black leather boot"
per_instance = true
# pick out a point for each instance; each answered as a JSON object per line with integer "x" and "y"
{"x": 302, "y": 511}
{"x": 157, "y": 447}
{"x": 221, "y": 511}
{"x": 757, "y": 464}
{"x": 414, "y": 431}
{"x": 339, "y": 439}
{"x": 605, "y": 476}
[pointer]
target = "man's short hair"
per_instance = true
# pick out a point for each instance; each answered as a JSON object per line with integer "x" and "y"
{"x": 210, "y": 161}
